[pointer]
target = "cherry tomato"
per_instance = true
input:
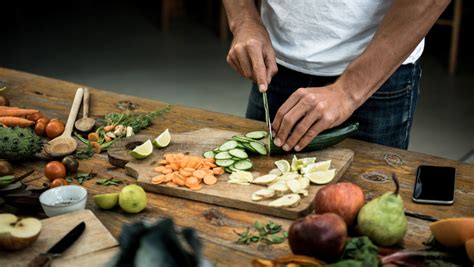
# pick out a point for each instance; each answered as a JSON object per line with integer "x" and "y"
{"x": 54, "y": 170}
{"x": 58, "y": 182}
{"x": 54, "y": 129}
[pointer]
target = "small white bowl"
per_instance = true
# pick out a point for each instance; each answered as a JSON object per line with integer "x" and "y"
{"x": 63, "y": 199}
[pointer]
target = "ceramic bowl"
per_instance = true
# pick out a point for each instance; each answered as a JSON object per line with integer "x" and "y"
{"x": 63, "y": 199}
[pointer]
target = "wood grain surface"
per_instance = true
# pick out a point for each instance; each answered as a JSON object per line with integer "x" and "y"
{"x": 216, "y": 225}
{"x": 222, "y": 193}
{"x": 95, "y": 238}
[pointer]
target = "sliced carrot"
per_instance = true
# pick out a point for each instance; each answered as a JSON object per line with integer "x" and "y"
{"x": 199, "y": 174}
{"x": 189, "y": 169}
{"x": 210, "y": 164}
{"x": 171, "y": 184}
{"x": 185, "y": 173}
{"x": 167, "y": 171}
{"x": 211, "y": 160}
{"x": 196, "y": 188}
{"x": 174, "y": 167}
{"x": 159, "y": 168}
{"x": 169, "y": 177}
{"x": 163, "y": 162}
{"x": 191, "y": 181}
{"x": 218, "y": 171}
{"x": 158, "y": 179}
{"x": 210, "y": 179}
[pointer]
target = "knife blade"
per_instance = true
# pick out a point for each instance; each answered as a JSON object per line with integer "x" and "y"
{"x": 62, "y": 245}
{"x": 267, "y": 119}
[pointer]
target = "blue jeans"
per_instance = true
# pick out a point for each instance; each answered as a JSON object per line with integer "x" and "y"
{"x": 385, "y": 118}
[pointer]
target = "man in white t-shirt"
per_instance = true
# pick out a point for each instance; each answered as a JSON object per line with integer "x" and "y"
{"x": 324, "y": 63}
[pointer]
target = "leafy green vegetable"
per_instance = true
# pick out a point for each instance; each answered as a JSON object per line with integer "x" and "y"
{"x": 264, "y": 233}
{"x": 84, "y": 153}
{"x": 108, "y": 182}
{"x": 81, "y": 177}
{"x": 359, "y": 251}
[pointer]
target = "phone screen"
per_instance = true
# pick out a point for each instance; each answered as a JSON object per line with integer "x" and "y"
{"x": 434, "y": 184}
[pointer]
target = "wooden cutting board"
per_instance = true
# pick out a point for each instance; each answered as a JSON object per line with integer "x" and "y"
{"x": 94, "y": 247}
{"x": 222, "y": 193}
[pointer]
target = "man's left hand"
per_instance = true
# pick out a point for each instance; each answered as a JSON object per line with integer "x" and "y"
{"x": 309, "y": 111}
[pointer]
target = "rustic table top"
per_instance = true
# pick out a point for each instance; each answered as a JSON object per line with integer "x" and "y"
{"x": 372, "y": 164}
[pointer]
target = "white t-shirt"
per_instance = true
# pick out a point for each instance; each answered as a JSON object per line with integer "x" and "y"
{"x": 322, "y": 37}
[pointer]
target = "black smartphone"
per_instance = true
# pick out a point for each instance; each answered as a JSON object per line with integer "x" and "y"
{"x": 434, "y": 185}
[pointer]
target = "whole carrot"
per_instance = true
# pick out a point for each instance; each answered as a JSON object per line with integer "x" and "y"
{"x": 10, "y": 121}
{"x": 16, "y": 112}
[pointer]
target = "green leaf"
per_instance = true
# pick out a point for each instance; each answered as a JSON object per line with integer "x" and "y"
{"x": 278, "y": 239}
{"x": 259, "y": 226}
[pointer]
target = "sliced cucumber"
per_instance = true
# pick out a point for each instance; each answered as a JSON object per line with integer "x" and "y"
{"x": 236, "y": 158}
{"x": 248, "y": 147}
{"x": 259, "y": 147}
{"x": 228, "y": 145}
{"x": 233, "y": 169}
{"x": 239, "y": 153}
{"x": 225, "y": 162}
{"x": 223, "y": 155}
{"x": 242, "y": 139}
{"x": 239, "y": 145}
{"x": 243, "y": 165}
{"x": 228, "y": 170}
{"x": 257, "y": 135}
{"x": 208, "y": 154}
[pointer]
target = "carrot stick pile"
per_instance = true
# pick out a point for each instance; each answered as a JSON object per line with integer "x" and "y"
{"x": 190, "y": 171}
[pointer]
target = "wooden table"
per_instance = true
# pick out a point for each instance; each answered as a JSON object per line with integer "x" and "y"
{"x": 216, "y": 224}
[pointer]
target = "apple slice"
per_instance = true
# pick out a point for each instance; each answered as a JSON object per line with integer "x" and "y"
{"x": 18, "y": 233}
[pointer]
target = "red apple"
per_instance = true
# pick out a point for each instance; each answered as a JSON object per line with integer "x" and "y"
{"x": 344, "y": 199}
{"x": 322, "y": 236}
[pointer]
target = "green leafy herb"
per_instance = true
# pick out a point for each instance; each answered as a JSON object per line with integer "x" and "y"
{"x": 263, "y": 233}
{"x": 84, "y": 153}
{"x": 108, "y": 182}
{"x": 81, "y": 177}
{"x": 135, "y": 120}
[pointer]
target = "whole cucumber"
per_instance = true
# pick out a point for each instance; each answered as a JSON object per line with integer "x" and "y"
{"x": 324, "y": 140}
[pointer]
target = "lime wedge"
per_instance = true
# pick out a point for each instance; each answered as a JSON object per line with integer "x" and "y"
{"x": 295, "y": 164}
{"x": 321, "y": 177}
{"x": 318, "y": 166}
{"x": 283, "y": 165}
{"x": 142, "y": 151}
{"x": 163, "y": 140}
{"x": 307, "y": 161}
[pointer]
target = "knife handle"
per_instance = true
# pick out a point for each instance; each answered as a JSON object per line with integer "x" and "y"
{"x": 41, "y": 260}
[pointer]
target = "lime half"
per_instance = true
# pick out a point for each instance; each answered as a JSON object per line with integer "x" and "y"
{"x": 318, "y": 166}
{"x": 142, "y": 151}
{"x": 163, "y": 140}
{"x": 283, "y": 165}
{"x": 321, "y": 177}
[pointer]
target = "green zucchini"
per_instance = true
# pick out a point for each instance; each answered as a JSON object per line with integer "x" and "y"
{"x": 324, "y": 140}
{"x": 256, "y": 135}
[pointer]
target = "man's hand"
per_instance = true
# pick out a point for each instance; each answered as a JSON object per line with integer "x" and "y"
{"x": 251, "y": 54}
{"x": 309, "y": 111}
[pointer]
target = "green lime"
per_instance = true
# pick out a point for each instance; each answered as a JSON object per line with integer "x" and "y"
{"x": 163, "y": 140}
{"x": 142, "y": 151}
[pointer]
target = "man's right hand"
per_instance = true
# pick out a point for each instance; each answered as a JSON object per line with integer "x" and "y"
{"x": 251, "y": 54}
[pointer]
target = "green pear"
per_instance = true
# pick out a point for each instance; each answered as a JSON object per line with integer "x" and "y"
{"x": 132, "y": 198}
{"x": 106, "y": 201}
{"x": 383, "y": 218}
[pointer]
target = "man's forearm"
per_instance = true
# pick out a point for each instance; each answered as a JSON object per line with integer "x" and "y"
{"x": 241, "y": 11}
{"x": 403, "y": 27}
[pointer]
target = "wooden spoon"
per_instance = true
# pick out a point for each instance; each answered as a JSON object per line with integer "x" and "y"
{"x": 65, "y": 144}
{"x": 85, "y": 124}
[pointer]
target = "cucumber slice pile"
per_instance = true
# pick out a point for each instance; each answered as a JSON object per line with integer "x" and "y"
{"x": 233, "y": 155}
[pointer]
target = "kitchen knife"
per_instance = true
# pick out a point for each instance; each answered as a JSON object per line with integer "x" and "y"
{"x": 44, "y": 259}
{"x": 267, "y": 119}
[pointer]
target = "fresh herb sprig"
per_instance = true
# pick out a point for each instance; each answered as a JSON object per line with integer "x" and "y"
{"x": 84, "y": 153}
{"x": 268, "y": 233}
{"x": 81, "y": 177}
{"x": 135, "y": 120}
{"x": 108, "y": 182}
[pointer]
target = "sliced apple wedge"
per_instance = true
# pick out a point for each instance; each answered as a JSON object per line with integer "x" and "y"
{"x": 18, "y": 233}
